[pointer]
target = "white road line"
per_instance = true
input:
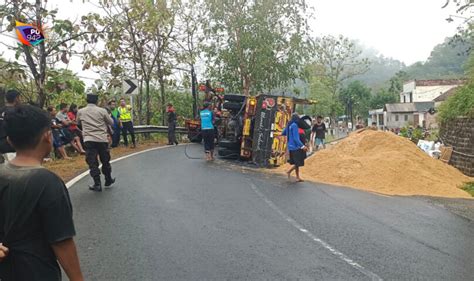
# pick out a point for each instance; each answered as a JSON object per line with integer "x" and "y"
{"x": 313, "y": 237}
{"x": 70, "y": 183}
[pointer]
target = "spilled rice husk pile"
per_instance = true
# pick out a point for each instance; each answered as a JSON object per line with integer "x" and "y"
{"x": 385, "y": 163}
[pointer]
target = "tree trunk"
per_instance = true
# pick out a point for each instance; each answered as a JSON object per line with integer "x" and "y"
{"x": 163, "y": 99}
{"x": 148, "y": 103}
{"x": 140, "y": 103}
{"x": 194, "y": 92}
{"x": 246, "y": 86}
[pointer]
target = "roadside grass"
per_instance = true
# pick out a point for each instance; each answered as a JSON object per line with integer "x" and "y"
{"x": 68, "y": 169}
{"x": 469, "y": 188}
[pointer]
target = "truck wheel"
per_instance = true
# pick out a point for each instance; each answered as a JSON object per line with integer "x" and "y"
{"x": 228, "y": 154}
{"x": 235, "y": 106}
{"x": 234, "y": 98}
{"x": 305, "y": 122}
{"x": 231, "y": 145}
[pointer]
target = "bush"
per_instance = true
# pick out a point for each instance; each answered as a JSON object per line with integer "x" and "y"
{"x": 460, "y": 104}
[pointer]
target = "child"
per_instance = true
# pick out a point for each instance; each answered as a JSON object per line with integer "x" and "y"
{"x": 36, "y": 223}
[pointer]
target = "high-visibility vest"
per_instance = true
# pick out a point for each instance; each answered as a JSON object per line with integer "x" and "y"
{"x": 125, "y": 114}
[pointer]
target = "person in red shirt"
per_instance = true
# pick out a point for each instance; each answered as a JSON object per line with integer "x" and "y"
{"x": 74, "y": 129}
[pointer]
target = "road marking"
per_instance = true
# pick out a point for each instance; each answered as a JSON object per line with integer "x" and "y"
{"x": 313, "y": 237}
{"x": 72, "y": 182}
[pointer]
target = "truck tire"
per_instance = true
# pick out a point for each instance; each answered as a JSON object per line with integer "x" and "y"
{"x": 234, "y": 98}
{"x": 228, "y": 154}
{"x": 229, "y": 144}
{"x": 233, "y": 106}
{"x": 305, "y": 122}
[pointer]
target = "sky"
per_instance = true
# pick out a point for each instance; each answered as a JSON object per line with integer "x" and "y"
{"x": 406, "y": 30}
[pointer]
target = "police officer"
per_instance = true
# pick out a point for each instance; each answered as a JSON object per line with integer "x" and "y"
{"x": 126, "y": 120}
{"x": 95, "y": 122}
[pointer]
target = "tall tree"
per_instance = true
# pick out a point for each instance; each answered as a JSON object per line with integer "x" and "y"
{"x": 340, "y": 60}
{"x": 145, "y": 29}
{"x": 336, "y": 60}
{"x": 255, "y": 45}
{"x": 62, "y": 35}
{"x": 189, "y": 46}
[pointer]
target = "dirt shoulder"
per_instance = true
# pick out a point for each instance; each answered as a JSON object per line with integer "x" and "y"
{"x": 68, "y": 169}
{"x": 460, "y": 207}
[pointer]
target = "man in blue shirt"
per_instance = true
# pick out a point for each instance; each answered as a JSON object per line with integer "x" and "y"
{"x": 207, "y": 130}
{"x": 295, "y": 146}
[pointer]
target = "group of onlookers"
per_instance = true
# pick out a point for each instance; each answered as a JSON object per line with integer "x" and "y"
{"x": 65, "y": 128}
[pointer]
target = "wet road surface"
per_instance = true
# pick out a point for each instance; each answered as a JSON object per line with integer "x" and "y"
{"x": 172, "y": 218}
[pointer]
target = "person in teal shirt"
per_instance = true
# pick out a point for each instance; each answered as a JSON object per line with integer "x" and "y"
{"x": 207, "y": 130}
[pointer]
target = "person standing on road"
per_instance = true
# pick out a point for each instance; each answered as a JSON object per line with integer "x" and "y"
{"x": 207, "y": 130}
{"x": 172, "y": 119}
{"x": 318, "y": 133}
{"x": 117, "y": 124}
{"x": 295, "y": 146}
{"x": 12, "y": 98}
{"x": 126, "y": 120}
{"x": 36, "y": 223}
{"x": 95, "y": 122}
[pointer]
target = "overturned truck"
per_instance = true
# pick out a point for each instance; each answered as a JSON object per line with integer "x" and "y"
{"x": 250, "y": 128}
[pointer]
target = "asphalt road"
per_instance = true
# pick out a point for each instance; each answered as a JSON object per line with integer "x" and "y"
{"x": 171, "y": 218}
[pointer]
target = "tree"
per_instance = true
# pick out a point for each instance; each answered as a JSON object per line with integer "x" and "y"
{"x": 189, "y": 45}
{"x": 381, "y": 98}
{"x": 459, "y": 104}
{"x": 356, "y": 98}
{"x": 255, "y": 45}
{"x": 64, "y": 86}
{"x": 137, "y": 44}
{"x": 336, "y": 60}
{"x": 61, "y": 37}
{"x": 340, "y": 61}
{"x": 396, "y": 83}
{"x": 446, "y": 60}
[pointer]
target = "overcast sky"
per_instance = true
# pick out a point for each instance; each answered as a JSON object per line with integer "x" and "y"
{"x": 406, "y": 30}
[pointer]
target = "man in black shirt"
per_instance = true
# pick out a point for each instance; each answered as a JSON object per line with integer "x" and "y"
{"x": 318, "y": 133}
{"x": 12, "y": 98}
{"x": 36, "y": 226}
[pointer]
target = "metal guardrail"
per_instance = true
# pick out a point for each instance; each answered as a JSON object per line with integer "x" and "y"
{"x": 150, "y": 129}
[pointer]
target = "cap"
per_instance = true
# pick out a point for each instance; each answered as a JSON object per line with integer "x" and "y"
{"x": 92, "y": 98}
{"x": 11, "y": 95}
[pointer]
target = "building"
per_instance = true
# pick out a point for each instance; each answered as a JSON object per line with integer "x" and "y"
{"x": 377, "y": 116}
{"x": 398, "y": 115}
{"x": 442, "y": 98}
{"x": 416, "y": 100}
{"x": 427, "y": 90}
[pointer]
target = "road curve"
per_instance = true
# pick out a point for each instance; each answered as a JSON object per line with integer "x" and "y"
{"x": 171, "y": 218}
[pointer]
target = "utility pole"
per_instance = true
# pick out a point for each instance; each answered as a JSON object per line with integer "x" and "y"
{"x": 193, "y": 91}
